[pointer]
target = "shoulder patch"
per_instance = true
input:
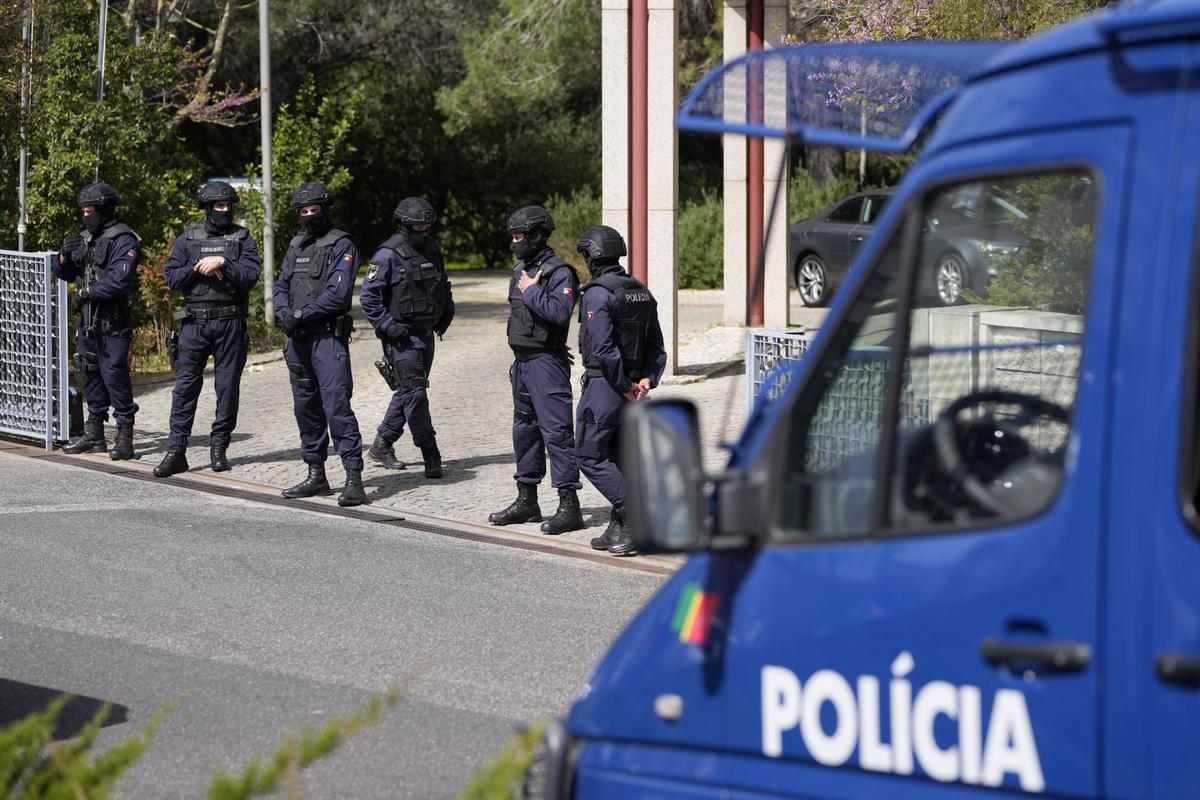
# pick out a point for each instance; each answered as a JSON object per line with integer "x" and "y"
{"x": 132, "y": 252}
{"x": 566, "y": 290}
{"x": 347, "y": 257}
{"x": 372, "y": 271}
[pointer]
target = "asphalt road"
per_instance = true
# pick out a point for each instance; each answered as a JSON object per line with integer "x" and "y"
{"x": 261, "y": 619}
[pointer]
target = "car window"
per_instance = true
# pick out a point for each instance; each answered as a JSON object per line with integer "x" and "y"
{"x": 848, "y": 211}
{"x": 873, "y": 207}
{"x": 987, "y": 388}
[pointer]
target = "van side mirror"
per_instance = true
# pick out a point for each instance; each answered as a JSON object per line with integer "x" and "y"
{"x": 665, "y": 507}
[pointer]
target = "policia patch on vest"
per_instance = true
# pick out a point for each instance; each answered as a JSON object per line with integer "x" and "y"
{"x": 372, "y": 271}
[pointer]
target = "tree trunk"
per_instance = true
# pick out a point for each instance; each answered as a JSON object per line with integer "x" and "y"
{"x": 825, "y": 164}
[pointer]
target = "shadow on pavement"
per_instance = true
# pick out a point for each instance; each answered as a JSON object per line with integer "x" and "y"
{"x": 19, "y": 700}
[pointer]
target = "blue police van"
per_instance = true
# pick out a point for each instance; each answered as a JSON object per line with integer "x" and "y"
{"x": 956, "y": 550}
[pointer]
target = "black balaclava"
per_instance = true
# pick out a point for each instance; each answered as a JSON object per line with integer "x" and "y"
{"x": 99, "y": 217}
{"x": 316, "y": 224}
{"x": 218, "y": 221}
{"x": 417, "y": 239}
{"x": 533, "y": 243}
{"x": 599, "y": 266}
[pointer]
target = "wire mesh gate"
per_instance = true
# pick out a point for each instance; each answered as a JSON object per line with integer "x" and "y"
{"x": 766, "y": 352}
{"x": 33, "y": 349}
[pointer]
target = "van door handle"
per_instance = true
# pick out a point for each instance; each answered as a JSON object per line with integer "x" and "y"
{"x": 1175, "y": 668}
{"x": 856, "y": 239}
{"x": 1055, "y": 656}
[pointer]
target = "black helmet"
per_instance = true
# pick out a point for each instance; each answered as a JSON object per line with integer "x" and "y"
{"x": 98, "y": 195}
{"x": 601, "y": 243}
{"x": 527, "y": 218}
{"x": 215, "y": 192}
{"x": 311, "y": 194}
{"x": 415, "y": 211}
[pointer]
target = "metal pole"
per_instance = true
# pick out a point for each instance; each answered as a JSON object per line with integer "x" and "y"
{"x": 100, "y": 71}
{"x": 639, "y": 262}
{"x": 264, "y": 83}
{"x": 23, "y": 168}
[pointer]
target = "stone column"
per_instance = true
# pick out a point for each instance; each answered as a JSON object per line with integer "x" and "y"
{"x": 734, "y": 147}
{"x": 662, "y": 167}
{"x": 775, "y": 153}
{"x": 614, "y": 70}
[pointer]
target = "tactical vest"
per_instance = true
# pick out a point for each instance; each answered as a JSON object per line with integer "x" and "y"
{"x": 635, "y": 310}
{"x": 525, "y": 330}
{"x": 206, "y": 290}
{"x": 311, "y": 267}
{"x": 95, "y": 261}
{"x": 419, "y": 299}
{"x": 97, "y": 249}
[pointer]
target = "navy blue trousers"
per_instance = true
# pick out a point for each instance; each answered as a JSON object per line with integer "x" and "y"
{"x": 106, "y": 383}
{"x": 596, "y": 422}
{"x": 227, "y": 341}
{"x": 542, "y": 421}
{"x": 321, "y": 393}
{"x": 410, "y": 404}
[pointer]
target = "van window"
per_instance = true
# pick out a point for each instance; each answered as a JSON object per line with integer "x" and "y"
{"x": 988, "y": 386}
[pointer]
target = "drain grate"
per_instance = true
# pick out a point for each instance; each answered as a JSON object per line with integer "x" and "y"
{"x": 384, "y": 517}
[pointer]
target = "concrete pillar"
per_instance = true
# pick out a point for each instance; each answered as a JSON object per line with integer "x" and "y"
{"x": 775, "y": 153}
{"x": 734, "y": 147}
{"x": 662, "y": 168}
{"x": 614, "y": 136}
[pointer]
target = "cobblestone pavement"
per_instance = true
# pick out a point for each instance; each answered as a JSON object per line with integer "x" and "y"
{"x": 471, "y": 406}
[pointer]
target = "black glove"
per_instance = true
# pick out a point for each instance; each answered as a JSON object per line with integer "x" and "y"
{"x": 570, "y": 357}
{"x": 78, "y": 300}
{"x": 288, "y": 323}
{"x": 71, "y": 243}
{"x": 397, "y": 331}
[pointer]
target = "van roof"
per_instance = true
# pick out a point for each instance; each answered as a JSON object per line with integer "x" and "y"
{"x": 1132, "y": 21}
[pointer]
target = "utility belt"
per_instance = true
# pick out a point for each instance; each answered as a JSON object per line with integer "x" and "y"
{"x": 529, "y": 355}
{"x": 634, "y": 375}
{"x": 341, "y": 328}
{"x": 204, "y": 314}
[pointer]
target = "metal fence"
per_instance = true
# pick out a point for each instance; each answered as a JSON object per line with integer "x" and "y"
{"x": 33, "y": 349}
{"x": 767, "y": 351}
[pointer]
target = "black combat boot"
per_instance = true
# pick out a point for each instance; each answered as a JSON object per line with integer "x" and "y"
{"x": 383, "y": 453}
{"x": 123, "y": 446}
{"x": 433, "y": 459}
{"x": 316, "y": 483}
{"x": 174, "y": 462}
{"x": 523, "y": 509}
{"x": 353, "y": 494}
{"x": 602, "y": 541}
{"x": 92, "y": 440}
{"x": 217, "y": 459}
{"x": 621, "y": 541}
{"x": 568, "y": 517}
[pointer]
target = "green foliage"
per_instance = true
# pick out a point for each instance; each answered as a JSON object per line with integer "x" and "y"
{"x": 501, "y": 777}
{"x": 139, "y": 154}
{"x": 572, "y": 216}
{"x": 701, "y": 231}
{"x": 1050, "y": 271}
{"x": 806, "y": 198}
{"x": 31, "y": 768}
{"x": 297, "y": 752}
{"x": 310, "y": 142}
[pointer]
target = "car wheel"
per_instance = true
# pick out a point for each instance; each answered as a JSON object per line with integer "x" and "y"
{"x": 812, "y": 281}
{"x": 949, "y": 278}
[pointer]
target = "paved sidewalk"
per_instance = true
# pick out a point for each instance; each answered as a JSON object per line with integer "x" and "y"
{"x": 471, "y": 405}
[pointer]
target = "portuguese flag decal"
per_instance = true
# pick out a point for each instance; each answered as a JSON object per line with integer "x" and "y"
{"x": 694, "y": 613}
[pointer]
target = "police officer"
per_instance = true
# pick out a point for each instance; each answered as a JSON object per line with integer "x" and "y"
{"x": 541, "y": 296}
{"x": 214, "y": 265}
{"x": 102, "y": 259}
{"x": 312, "y": 304}
{"x": 621, "y": 344}
{"x": 407, "y": 298}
